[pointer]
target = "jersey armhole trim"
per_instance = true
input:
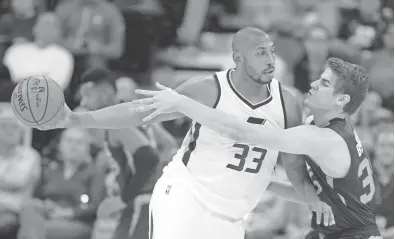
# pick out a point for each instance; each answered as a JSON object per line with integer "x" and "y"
{"x": 283, "y": 105}
{"x": 349, "y": 152}
{"x": 218, "y": 90}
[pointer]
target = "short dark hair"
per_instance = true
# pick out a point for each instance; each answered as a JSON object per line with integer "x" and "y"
{"x": 351, "y": 80}
{"x": 99, "y": 76}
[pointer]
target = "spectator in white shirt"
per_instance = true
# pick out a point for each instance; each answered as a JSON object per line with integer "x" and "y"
{"x": 43, "y": 56}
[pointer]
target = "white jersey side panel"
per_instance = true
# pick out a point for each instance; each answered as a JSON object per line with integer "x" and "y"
{"x": 229, "y": 177}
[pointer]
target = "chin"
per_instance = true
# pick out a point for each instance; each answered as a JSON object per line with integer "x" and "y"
{"x": 264, "y": 80}
{"x": 307, "y": 104}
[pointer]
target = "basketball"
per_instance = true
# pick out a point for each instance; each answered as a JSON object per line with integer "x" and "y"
{"x": 37, "y": 101}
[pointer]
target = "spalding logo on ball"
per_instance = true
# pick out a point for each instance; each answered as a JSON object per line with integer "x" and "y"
{"x": 37, "y": 101}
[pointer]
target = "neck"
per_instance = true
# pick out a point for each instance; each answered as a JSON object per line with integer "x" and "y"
{"x": 248, "y": 87}
{"x": 322, "y": 118}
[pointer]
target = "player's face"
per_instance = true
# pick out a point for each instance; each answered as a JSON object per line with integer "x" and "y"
{"x": 258, "y": 63}
{"x": 96, "y": 96}
{"x": 74, "y": 145}
{"x": 384, "y": 150}
{"x": 322, "y": 96}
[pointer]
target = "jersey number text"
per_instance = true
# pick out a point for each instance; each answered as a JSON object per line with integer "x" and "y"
{"x": 246, "y": 150}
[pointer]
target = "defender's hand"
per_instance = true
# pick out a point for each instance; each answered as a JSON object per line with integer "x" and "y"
{"x": 324, "y": 211}
{"x": 164, "y": 101}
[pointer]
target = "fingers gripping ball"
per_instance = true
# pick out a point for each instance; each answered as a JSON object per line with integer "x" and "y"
{"x": 37, "y": 101}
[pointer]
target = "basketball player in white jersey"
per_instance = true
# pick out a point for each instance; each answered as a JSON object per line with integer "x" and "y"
{"x": 214, "y": 181}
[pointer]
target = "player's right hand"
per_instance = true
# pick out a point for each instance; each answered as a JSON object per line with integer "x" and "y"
{"x": 323, "y": 213}
{"x": 62, "y": 121}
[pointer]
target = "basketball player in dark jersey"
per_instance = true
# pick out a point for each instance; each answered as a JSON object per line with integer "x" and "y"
{"x": 130, "y": 148}
{"x": 338, "y": 165}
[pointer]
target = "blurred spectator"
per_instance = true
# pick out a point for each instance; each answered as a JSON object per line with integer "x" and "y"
{"x": 69, "y": 194}
{"x": 43, "y": 56}
{"x": 19, "y": 170}
{"x": 17, "y": 25}
{"x": 108, "y": 216}
{"x": 193, "y": 20}
{"x": 310, "y": 67}
{"x": 363, "y": 26}
{"x": 384, "y": 170}
{"x": 129, "y": 150}
{"x": 381, "y": 69}
{"x": 125, "y": 89}
{"x": 6, "y": 85}
{"x": 92, "y": 29}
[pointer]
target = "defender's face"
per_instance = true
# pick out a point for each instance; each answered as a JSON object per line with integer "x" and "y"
{"x": 258, "y": 63}
{"x": 322, "y": 95}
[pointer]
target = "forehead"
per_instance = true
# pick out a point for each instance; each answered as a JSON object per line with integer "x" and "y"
{"x": 265, "y": 44}
{"x": 329, "y": 75}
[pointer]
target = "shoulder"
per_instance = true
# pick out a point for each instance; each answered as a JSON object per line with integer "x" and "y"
{"x": 205, "y": 90}
{"x": 324, "y": 141}
{"x": 292, "y": 104}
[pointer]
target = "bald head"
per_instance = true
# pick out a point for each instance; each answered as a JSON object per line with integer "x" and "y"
{"x": 249, "y": 37}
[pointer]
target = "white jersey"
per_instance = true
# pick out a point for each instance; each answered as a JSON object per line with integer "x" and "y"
{"x": 229, "y": 177}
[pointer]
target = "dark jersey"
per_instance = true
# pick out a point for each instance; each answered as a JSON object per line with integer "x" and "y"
{"x": 133, "y": 179}
{"x": 384, "y": 202}
{"x": 351, "y": 197}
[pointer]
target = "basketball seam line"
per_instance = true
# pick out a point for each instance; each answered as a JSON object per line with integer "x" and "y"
{"x": 47, "y": 99}
{"x": 62, "y": 102}
{"x": 28, "y": 101}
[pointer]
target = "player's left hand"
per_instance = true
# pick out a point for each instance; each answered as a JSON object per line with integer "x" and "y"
{"x": 323, "y": 211}
{"x": 163, "y": 101}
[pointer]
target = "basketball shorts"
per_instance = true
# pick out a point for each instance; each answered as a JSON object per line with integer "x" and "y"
{"x": 368, "y": 232}
{"x": 175, "y": 214}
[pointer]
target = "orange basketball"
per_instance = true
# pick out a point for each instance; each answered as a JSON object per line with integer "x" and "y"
{"x": 37, "y": 101}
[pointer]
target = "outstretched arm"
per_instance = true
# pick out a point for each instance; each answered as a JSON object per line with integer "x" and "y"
{"x": 122, "y": 115}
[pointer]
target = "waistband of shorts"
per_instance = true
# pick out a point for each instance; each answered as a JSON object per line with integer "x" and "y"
{"x": 369, "y": 230}
{"x": 219, "y": 215}
{"x": 212, "y": 212}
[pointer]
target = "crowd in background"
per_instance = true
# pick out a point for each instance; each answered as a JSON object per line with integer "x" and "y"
{"x": 53, "y": 178}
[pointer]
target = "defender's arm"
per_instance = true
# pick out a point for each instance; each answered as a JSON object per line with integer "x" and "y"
{"x": 306, "y": 139}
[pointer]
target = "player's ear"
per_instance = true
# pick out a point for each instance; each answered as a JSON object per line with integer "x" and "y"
{"x": 342, "y": 100}
{"x": 236, "y": 57}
